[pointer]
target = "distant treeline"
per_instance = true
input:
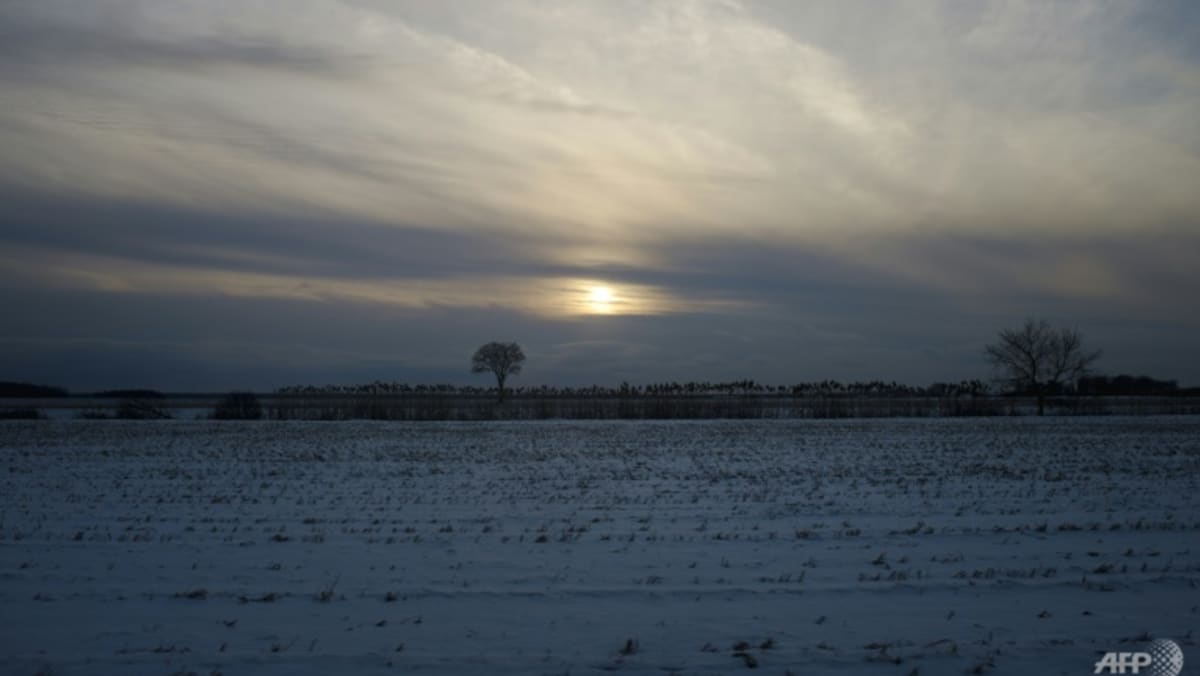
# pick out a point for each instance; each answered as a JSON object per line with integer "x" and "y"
{"x": 824, "y": 388}
{"x": 1095, "y": 395}
{"x": 1120, "y": 385}
{"x": 446, "y": 406}
{"x": 1132, "y": 386}
{"x": 1109, "y": 386}
{"x": 734, "y": 399}
{"x": 12, "y": 390}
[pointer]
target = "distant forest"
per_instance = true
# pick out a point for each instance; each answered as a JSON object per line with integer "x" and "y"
{"x": 705, "y": 388}
{"x": 30, "y": 391}
{"x": 1092, "y": 395}
{"x": 1120, "y": 386}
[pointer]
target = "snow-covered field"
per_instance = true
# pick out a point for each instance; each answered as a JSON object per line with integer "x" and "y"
{"x": 1006, "y": 546}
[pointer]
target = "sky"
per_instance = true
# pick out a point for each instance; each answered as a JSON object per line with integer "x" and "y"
{"x": 198, "y": 195}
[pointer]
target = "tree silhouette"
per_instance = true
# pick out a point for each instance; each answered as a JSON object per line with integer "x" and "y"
{"x": 238, "y": 406}
{"x": 501, "y": 359}
{"x": 1038, "y": 358}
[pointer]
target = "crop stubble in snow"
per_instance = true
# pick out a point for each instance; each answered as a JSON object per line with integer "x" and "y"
{"x": 882, "y": 546}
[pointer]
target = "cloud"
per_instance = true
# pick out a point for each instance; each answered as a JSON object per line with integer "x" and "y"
{"x": 847, "y": 175}
{"x": 625, "y": 121}
{"x": 141, "y": 249}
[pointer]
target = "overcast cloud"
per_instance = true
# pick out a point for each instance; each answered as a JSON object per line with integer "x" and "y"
{"x": 205, "y": 194}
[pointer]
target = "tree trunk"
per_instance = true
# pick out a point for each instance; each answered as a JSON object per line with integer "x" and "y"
{"x": 500, "y": 386}
{"x": 1041, "y": 398}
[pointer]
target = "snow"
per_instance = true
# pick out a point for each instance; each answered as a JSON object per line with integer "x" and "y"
{"x": 1006, "y": 546}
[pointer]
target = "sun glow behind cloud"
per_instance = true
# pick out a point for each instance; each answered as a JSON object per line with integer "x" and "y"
{"x": 601, "y": 300}
{"x": 551, "y": 297}
{"x": 725, "y": 159}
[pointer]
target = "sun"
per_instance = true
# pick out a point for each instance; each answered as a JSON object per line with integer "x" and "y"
{"x": 600, "y": 300}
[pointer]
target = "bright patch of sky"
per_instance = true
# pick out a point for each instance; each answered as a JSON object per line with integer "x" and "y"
{"x": 908, "y": 176}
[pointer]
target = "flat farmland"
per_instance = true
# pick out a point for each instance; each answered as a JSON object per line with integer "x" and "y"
{"x": 894, "y": 546}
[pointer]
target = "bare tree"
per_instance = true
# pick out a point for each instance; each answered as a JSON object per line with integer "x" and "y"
{"x": 1039, "y": 359}
{"x": 501, "y": 359}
